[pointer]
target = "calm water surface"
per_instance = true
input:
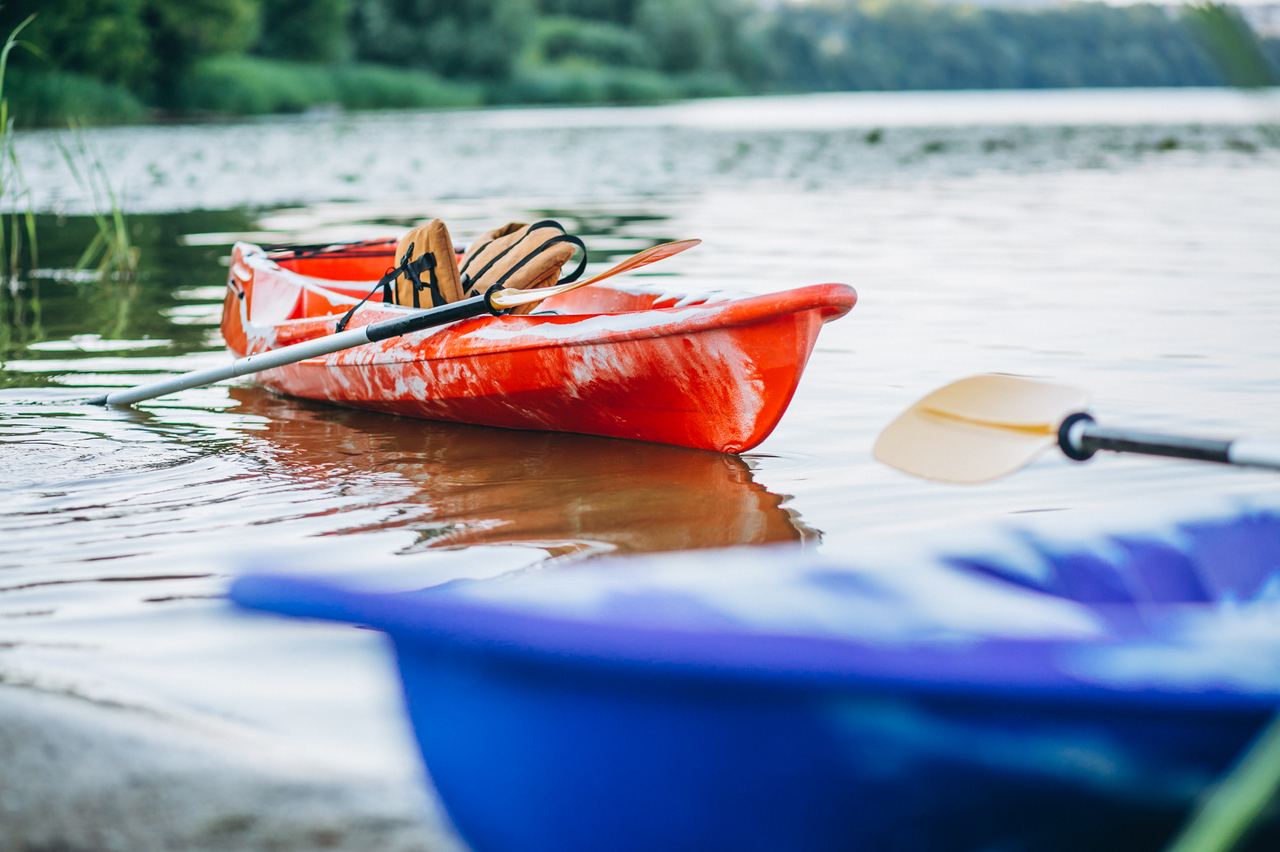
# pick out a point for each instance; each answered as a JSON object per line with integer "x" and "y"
{"x": 1125, "y": 242}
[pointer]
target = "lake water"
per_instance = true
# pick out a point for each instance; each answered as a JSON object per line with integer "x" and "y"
{"x": 1122, "y": 241}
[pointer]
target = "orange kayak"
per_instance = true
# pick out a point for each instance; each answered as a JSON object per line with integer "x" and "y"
{"x": 711, "y": 372}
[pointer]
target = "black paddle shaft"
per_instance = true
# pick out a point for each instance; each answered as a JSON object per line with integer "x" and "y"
{"x": 467, "y": 308}
{"x": 1091, "y": 437}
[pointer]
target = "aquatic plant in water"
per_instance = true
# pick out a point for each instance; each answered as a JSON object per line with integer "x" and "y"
{"x": 112, "y": 250}
{"x": 14, "y": 325}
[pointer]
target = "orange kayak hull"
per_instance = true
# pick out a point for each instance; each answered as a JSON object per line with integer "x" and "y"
{"x": 711, "y": 373}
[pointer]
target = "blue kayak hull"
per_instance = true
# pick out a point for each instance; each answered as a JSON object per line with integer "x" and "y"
{"x": 1032, "y": 691}
{"x": 530, "y": 759}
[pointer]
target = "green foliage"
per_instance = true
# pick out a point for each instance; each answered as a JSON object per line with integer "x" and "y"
{"x": 906, "y": 45}
{"x": 146, "y": 45}
{"x": 684, "y": 34}
{"x": 103, "y": 39}
{"x": 1235, "y": 48}
{"x": 190, "y": 55}
{"x": 53, "y": 99}
{"x": 580, "y": 83}
{"x": 622, "y": 12}
{"x": 183, "y": 33}
{"x": 252, "y": 86}
{"x": 305, "y": 30}
{"x": 467, "y": 39}
{"x": 380, "y": 87}
{"x": 14, "y": 194}
{"x": 562, "y": 38}
{"x": 13, "y": 190}
{"x": 636, "y": 51}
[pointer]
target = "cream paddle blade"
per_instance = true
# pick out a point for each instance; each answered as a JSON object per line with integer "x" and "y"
{"x": 515, "y": 298}
{"x": 978, "y": 428}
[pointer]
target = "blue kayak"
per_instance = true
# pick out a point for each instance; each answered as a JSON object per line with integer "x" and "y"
{"x": 1036, "y": 688}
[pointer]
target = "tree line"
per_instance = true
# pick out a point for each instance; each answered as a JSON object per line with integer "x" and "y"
{"x": 146, "y": 57}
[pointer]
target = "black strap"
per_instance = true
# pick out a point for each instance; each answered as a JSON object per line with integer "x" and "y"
{"x": 385, "y": 283}
{"x": 426, "y": 263}
{"x": 582, "y": 264}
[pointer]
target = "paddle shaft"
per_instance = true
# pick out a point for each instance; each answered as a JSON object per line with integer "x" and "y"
{"x": 495, "y": 302}
{"x": 327, "y": 345}
{"x": 1079, "y": 437}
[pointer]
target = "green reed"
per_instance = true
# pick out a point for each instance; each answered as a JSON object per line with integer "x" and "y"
{"x": 1232, "y": 44}
{"x": 14, "y": 194}
{"x": 110, "y": 251}
{"x": 1238, "y": 802}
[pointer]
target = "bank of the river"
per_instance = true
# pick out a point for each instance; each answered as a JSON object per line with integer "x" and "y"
{"x": 1121, "y": 241}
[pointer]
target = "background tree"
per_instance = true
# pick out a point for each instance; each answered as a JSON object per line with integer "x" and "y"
{"x": 146, "y": 45}
{"x": 470, "y": 39}
{"x": 104, "y": 39}
{"x": 305, "y": 30}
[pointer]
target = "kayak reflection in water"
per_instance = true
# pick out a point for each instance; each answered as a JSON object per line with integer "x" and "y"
{"x": 478, "y": 485}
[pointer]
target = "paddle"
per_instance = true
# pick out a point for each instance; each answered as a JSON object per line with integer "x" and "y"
{"x": 985, "y": 427}
{"x": 493, "y": 302}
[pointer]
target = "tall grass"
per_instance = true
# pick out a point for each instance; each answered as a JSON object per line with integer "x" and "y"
{"x": 1236, "y": 803}
{"x": 1232, "y": 43}
{"x": 110, "y": 251}
{"x": 15, "y": 194}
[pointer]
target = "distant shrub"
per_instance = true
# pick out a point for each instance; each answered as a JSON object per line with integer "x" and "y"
{"x": 571, "y": 83}
{"x": 617, "y": 11}
{"x": 252, "y": 86}
{"x": 147, "y": 45}
{"x": 304, "y": 30}
{"x": 51, "y": 99}
{"x": 457, "y": 39}
{"x": 849, "y": 45}
{"x": 380, "y": 87}
{"x": 686, "y": 35}
{"x": 716, "y": 84}
{"x": 560, "y": 38}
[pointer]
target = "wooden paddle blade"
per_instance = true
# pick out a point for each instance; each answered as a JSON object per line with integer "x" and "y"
{"x": 515, "y": 298}
{"x": 644, "y": 258}
{"x": 978, "y": 429}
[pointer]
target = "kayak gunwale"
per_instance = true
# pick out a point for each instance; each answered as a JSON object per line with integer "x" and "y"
{"x": 722, "y": 313}
{"x": 728, "y": 660}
